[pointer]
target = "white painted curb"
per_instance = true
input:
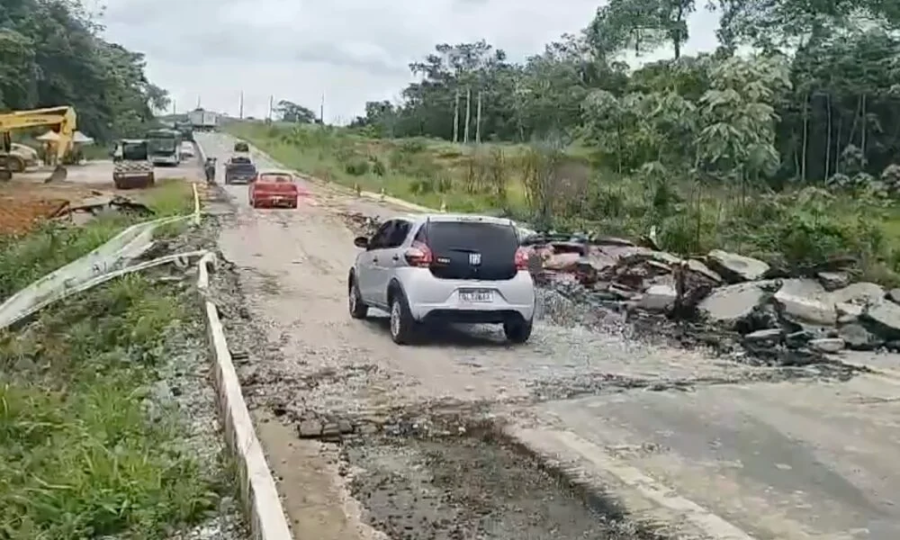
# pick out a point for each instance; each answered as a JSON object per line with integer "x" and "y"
{"x": 258, "y": 493}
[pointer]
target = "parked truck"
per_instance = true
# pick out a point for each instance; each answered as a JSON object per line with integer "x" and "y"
{"x": 202, "y": 120}
{"x": 164, "y": 147}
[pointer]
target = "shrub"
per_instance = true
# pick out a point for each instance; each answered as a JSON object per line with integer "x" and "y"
{"x": 357, "y": 167}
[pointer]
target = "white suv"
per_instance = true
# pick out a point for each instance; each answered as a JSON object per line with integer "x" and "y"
{"x": 443, "y": 267}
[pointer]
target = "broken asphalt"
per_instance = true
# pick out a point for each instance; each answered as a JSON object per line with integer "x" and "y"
{"x": 675, "y": 441}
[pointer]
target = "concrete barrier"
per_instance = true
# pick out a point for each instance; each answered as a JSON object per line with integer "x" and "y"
{"x": 258, "y": 494}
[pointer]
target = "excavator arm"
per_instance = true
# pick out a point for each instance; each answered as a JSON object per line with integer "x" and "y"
{"x": 61, "y": 117}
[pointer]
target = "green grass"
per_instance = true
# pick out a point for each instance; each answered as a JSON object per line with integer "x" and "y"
{"x": 794, "y": 229}
{"x": 424, "y": 171}
{"x": 23, "y": 261}
{"x": 80, "y": 455}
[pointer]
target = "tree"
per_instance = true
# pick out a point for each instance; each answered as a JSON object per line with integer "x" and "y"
{"x": 289, "y": 111}
{"x": 51, "y": 54}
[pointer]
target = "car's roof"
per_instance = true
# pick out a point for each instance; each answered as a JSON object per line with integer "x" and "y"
{"x": 275, "y": 172}
{"x": 458, "y": 218}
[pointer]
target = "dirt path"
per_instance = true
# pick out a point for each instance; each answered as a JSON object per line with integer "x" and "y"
{"x": 652, "y": 426}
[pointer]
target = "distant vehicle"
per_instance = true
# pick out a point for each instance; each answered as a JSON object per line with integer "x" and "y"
{"x": 241, "y": 147}
{"x": 274, "y": 188}
{"x": 164, "y": 146}
{"x": 444, "y": 268}
{"x": 239, "y": 170}
{"x": 186, "y": 130}
{"x": 132, "y": 168}
{"x": 187, "y": 150}
{"x": 202, "y": 120}
{"x": 29, "y": 155}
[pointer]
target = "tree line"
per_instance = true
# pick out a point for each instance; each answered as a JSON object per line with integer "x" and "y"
{"x": 52, "y": 53}
{"x": 818, "y": 99}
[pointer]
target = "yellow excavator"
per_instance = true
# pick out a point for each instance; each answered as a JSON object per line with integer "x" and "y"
{"x": 62, "y": 118}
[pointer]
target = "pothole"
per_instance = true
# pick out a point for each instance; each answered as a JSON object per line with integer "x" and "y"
{"x": 472, "y": 484}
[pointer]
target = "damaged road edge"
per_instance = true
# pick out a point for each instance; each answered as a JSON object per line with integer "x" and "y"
{"x": 592, "y": 470}
{"x": 258, "y": 494}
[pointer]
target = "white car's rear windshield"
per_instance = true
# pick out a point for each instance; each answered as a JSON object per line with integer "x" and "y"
{"x": 471, "y": 249}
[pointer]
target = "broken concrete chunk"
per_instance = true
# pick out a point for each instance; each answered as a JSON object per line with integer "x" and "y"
{"x": 806, "y": 309}
{"x": 861, "y": 293}
{"x": 612, "y": 241}
{"x": 894, "y": 296}
{"x": 658, "y": 298}
{"x": 827, "y": 345}
{"x": 848, "y": 313}
{"x": 885, "y": 319}
{"x": 310, "y": 429}
{"x": 696, "y": 266}
{"x": 806, "y": 288}
{"x": 736, "y": 268}
{"x": 768, "y": 335}
{"x": 833, "y": 280}
{"x": 857, "y": 338}
{"x": 561, "y": 261}
{"x": 733, "y": 302}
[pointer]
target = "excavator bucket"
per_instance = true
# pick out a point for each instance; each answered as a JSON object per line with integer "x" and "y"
{"x": 59, "y": 174}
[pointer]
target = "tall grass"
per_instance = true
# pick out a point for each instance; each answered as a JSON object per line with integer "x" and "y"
{"x": 83, "y": 453}
{"x": 564, "y": 187}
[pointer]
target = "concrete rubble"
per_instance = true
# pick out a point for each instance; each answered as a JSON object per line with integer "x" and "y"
{"x": 742, "y": 298}
{"x": 825, "y": 313}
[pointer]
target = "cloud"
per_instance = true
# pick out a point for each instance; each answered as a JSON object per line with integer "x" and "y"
{"x": 353, "y": 51}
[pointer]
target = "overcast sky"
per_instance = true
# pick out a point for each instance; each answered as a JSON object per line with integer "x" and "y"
{"x": 352, "y": 50}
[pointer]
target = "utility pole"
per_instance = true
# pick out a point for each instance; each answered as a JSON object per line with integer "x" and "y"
{"x": 241, "y": 108}
{"x": 478, "y": 120}
{"x": 468, "y": 114}
{"x": 198, "y": 101}
{"x": 173, "y": 107}
{"x": 271, "y": 105}
{"x": 456, "y": 118}
{"x": 322, "y": 110}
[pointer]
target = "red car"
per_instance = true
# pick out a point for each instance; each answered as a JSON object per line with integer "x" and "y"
{"x": 274, "y": 189}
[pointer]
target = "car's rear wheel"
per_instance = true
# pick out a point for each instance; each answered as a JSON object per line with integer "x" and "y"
{"x": 16, "y": 163}
{"x": 403, "y": 326}
{"x": 517, "y": 331}
{"x": 358, "y": 308}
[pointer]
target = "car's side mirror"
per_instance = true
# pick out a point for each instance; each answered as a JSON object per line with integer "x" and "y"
{"x": 361, "y": 242}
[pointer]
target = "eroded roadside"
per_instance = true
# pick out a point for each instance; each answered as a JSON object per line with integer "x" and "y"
{"x": 368, "y": 438}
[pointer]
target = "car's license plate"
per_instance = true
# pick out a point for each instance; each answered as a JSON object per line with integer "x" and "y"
{"x": 476, "y": 296}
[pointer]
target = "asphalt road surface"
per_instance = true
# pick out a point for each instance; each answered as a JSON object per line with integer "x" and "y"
{"x": 695, "y": 446}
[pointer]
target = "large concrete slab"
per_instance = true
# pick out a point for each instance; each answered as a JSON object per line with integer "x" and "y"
{"x": 777, "y": 461}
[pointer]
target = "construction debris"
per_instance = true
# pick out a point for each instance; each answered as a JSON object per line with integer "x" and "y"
{"x": 361, "y": 224}
{"x": 723, "y": 297}
{"x": 726, "y": 293}
{"x": 100, "y": 204}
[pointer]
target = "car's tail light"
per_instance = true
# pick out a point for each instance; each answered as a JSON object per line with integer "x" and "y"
{"x": 418, "y": 255}
{"x": 522, "y": 258}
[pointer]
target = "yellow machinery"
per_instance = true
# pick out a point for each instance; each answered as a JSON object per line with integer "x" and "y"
{"x": 62, "y": 118}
